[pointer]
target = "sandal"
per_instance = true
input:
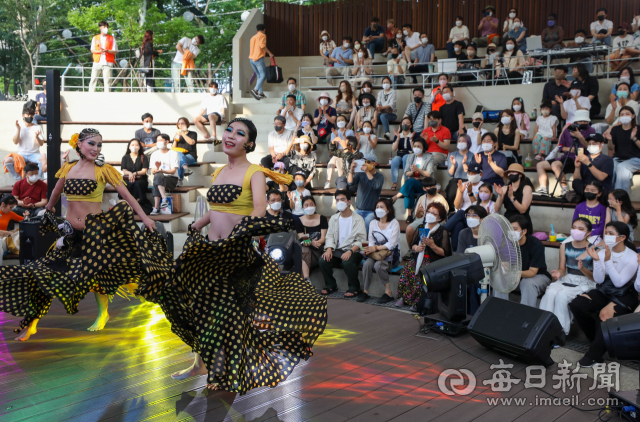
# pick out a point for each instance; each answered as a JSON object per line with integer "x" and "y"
{"x": 326, "y": 292}
{"x": 351, "y": 295}
{"x": 394, "y": 186}
{"x": 409, "y": 219}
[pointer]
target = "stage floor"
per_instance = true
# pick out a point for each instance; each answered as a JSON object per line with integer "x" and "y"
{"x": 368, "y": 366}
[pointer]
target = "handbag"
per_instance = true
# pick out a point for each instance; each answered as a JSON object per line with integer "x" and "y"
{"x": 380, "y": 255}
{"x": 274, "y": 73}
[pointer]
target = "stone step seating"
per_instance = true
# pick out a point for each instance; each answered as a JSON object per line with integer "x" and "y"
{"x": 72, "y": 122}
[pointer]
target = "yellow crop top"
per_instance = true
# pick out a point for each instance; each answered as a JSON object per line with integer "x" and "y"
{"x": 89, "y": 190}
{"x": 236, "y": 199}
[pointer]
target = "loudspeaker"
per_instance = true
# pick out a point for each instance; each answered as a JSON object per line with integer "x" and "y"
{"x": 525, "y": 333}
{"x": 34, "y": 245}
{"x": 453, "y": 302}
{"x": 622, "y": 336}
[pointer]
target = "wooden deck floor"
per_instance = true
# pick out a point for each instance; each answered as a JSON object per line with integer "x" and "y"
{"x": 368, "y": 366}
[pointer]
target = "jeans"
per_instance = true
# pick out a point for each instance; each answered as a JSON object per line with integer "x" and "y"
{"x": 396, "y": 80}
{"x": 28, "y": 158}
{"x": 454, "y": 225}
{"x": 623, "y": 172}
{"x": 395, "y": 166}
{"x": 371, "y": 46}
{"x": 368, "y": 217}
{"x": 261, "y": 70}
{"x": 184, "y": 159}
{"x": 385, "y": 118}
{"x": 176, "y": 70}
{"x": 350, "y": 268}
{"x": 450, "y": 51}
{"x": 606, "y": 40}
{"x": 39, "y": 119}
{"x": 410, "y": 190}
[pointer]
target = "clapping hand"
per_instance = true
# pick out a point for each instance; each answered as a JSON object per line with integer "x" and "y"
{"x": 460, "y": 186}
{"x": 607, "y": 253}
{"x": 452, "y": 160}
{"x": 18, "y": 125}
{"x": 591, "y": 250}
{"x": 559, "y": 99}
{"x": 580, "y": 264}
{"x": 499, "y": 190}
{"x": 511, "y": 193}
{"x": 478, "y": 158}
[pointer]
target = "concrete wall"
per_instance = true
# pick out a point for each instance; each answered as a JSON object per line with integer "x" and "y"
{"x": 242, "y": 69}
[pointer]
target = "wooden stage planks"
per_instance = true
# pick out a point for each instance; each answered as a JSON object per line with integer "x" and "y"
{"x": 368, "y": 366}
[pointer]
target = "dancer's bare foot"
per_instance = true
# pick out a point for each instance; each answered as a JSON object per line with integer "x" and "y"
{"x": 101, "y": 321}
{"x": 27, "y": 332}
{"x": 191, "y": 371}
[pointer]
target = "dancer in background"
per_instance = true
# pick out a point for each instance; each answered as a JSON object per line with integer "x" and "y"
{"x": 248, "y": 325}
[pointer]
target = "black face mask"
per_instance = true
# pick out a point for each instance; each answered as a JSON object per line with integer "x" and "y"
{"x": 514, "y": 177}
{"x": 491, "y": 50}
{"x": 395, "y": 56}
{"x": 476, "y": 124}
{"x": 418, "y": 100}
{"x": 278, "y": 128}
{"x": 28, "y": 119}
{"x": 405, "y": 127}
{"x": 621, "y": 33}
{"x": 590, "y": 196}
{"x": 583, "y": 126}
{"x": 600, "y": 18}
{"x": 433, "y": 123}
{"x": 432, "y": 191}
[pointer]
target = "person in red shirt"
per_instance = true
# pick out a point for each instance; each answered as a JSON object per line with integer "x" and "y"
{"x": 7, "y": 203}
{"x": 30, "y": 192}
{"x": 438, "y": 137}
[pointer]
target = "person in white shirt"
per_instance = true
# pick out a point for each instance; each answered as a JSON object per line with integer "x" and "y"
{"x": 459, "y": 32}
{"x": 213, "y": 110}
{"x": 396, "y": 68}
{"x": 476, "y": 132}
{"x": 29, "y": 138}
{"x": 104, "y": 48}
{"x": 508, "y": 23}
{"x": 602, "y": 28}
{"x": 164, "y": 165}
{"x": 576, "y": 102}
{"x": 291, "y": 113}
{"x": 412, "y": 42}
{"x": 278, "y": 142}
{"x": 622, "y": 99}
{"x": 176, "y": 65}
{"x": 620, "y": 44}
{"x": 295, "y": 196}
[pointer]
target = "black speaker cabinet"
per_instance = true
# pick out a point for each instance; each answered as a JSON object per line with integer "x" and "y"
{"x": 525, "y": 333}
{"x": 33, "y": 245}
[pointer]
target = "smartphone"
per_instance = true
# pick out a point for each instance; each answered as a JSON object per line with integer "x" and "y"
{"x": 580, "y": 151}
{"x": 569, "y": 285}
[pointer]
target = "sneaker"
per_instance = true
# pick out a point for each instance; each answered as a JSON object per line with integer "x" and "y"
{"x": 387, "y": 136}
{"x": 327, "y": 184}
{"x": 307, "y": 280}
{"x": 587, "y": 362}
{"x": 400, "y": 303}
{"x": 542, "y": 190}
{"x": 362, "y": 297}
{"x": 188, "y": 171}
{"x": 556, "y": 346}
{"x": 414, "y": 308}
{"x": 262, "y": 95}
{"x": 255, "y": 94}
{"x": 384, "y": 299}
{"x": 565, "y": 189}
{"x": 154, "y": 211}
{"x": 179, "y": 184}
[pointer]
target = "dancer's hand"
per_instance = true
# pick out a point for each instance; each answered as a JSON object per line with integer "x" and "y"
{"x": 149, "y": 223}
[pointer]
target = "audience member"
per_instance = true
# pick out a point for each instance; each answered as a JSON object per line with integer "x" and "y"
{"x": 602, "y": 28}
{"x": 575, "y": 102}
{"x": 620, "y": 44}
{"x": 347, "y": 154}
{"x": 490, "y": 60}
{"x": 367, "y": 141}
{"x": 510, "y": 65}
{"x": 458, "y": 163}
{"x": 437, "y": 137}
{"x": 342, "y": 133}
{"x": 41, "y": 105}
{"x": 593, "y": 208}
{"x": 459, "y": 32}
{"x": 621, "y": 209}
{"x": 327, "y": 45}
{"x": 614, "y": 269}
{"x": 429, "y": 194}
{"x": 623, "y": 147}
{"x": 257, "y": 52}
{"x": 29, "y": 138}
{"x": 460, "y": 52}
{"x": 185, "y": 144}
{"x": 431, "y": 243}
{"x": 278, "y": 142}
{"x": 365, "y": 88}
{"x": 341, "y": 57}
{"x": 279, "y": 168}
{"x": 556, "y": 88}
{"x": 494, "y": 163}
{"x": 391, "y": 30}
{"x": 362, "y": 70}
{"x": 631, "y": 51}
{"x": 368, "y": 184}
{"x": 468, "y": 238}
{"x": 386, "y": 108}
{"x": 342, "y": 247}
{"x": 412, "y": 42}
{"x": 591, "y": 87}
{"x": 626, "y": 75}
{"x": 397, "y": 67}
{"x": 30, "y": 192}
{"x": 437, "y": 100}
{"x": 402, "y": 143}
{"x": 473, "y": 63}
{"x": 508, "y": 136}
{"x": 384, "y": 234}
{"x": 324, "y": 116}
{"x": 295, "y": 196}
{"x": 368, "y": 112}
{"x": 134, "y": 166}
{"x": 419, "y": 165}
{"x": 485, "y": 193}
{"x": 301, "y": 99}
{"x": 346, "y": 103}
{"x": 580, "y": 41}
{"x": 545, "y": 133}
{"x": 301, "y": 159}
{"x": 147, "y": 135}
{"x": 426, "y": 54}
{"x": 374, "y": 37}
{"x": 574, "y": 275}
{"x": 312, "y": 233}
{"x": 417, "y": 110}
{"x": 148, "y": 59}
{"x": 615, "y": 107}
{"x": 516, "y": 195}
{"x": 488, "y": 28}
{"x": 291, "y": 113}
{"x": 213, "y": 110}
{"x": 276, "y": 208}
{"x": 8, "y": 218}
{"x": 467, "y": 193}
{"x": 397, "y": 42}
{"x": 452, "y": 113}
{"x": 553, "y": 34}
{"x": 523, "y": 123}
{"x": 476, "y": 132}
{"x": 510, "y": 22}
{"x": 306, "y": 129}
{"x": 104, "y": 49}
{"x": 164, "y": 167}
{"x": 593, "y": 167}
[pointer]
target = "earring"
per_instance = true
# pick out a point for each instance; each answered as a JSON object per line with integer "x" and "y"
{"x": 247, "y": 148}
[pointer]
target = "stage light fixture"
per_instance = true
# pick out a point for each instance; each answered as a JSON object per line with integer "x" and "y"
{"x": 280, "y": 247}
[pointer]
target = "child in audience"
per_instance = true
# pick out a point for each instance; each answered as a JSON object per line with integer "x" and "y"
{"x": 522, "y": 118}
{"x": 593, "y": 208}
{"x": 367, "y": 141}
{"x": 468, "y": 238}
{"x": 295, "y": 196}
{"x": 545, "y": 132}
{"x": 622, "y": 210}
{"x": 8, "y": 218}
{"x": 485, "y": 193}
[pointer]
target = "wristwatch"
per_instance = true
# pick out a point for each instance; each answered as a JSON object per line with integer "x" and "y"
{"x": 590, "y": 164}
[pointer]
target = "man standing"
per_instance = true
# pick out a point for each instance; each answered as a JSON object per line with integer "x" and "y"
{"x": 147, "y": 135}
{"x": 452, "y": 113}
{"x": 212, "y": 110}
{"x": 257, "y": 51}
{"x": 368, "y": 183}
{"x": 104, "y": 49}
{"x": 164, "y": 165}
{"x": 30, "y": 192}
{"x": 374, "y": 37}
{"x": 187, "y": 52}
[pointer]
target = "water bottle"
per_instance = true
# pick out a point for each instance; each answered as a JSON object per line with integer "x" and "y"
{"x": 552, "y": 235}
{"x": 528, "y": 161}
{"x": 534, "y": 113}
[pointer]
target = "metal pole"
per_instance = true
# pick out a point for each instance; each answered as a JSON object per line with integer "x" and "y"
{"x": 53, "y": 131}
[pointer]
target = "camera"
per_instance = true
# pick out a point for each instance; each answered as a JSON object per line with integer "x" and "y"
{"x": 573, "y": 127}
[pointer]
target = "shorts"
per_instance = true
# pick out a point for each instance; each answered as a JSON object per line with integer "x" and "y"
{"x": 206, "y": 116}
{"x": 569, "y": 167}
{"x": 414, "y": 55}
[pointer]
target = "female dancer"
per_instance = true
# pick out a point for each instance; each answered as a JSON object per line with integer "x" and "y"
{"x": 247, "y": 325}
{"x": 98, "y": 251}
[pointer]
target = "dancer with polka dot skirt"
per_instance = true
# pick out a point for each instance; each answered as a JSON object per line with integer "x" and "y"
{"x": 97, "y": 251}
{"x": 247, "y": 324}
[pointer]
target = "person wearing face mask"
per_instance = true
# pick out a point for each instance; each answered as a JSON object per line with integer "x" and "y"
{"x": 104, "y": 49}
{"x": 292, "y": 114}
{"x": 573, "y": 101}
{"x": 459, "y": 32}
{"x": 556, "y": 88}
{"x": 593, "y": 166}
{"x": 147, "y": 134}
{"x": 437, "y": 100}
{"x": 616, "y": 293}
{"x": 510, "y": 22}
{"x": 325, "y": 116}
{"x": 460, "y": 52}
{"x": 494, "y": 162}
{"x": 468, "y": 238}
{"x": 473, "y": 63}
{"x": 367, "y": 141}
{"x": 341, "y": 57}
{"x": 29, "y": 138}
{"x": 412, "y": 42}
{"x": 341, "y": 133}
{"x": 534, "y": 278}
{"x": 278, "y": 142}
{"x": 590, "y": 86}
{"x": 489, "y": 60}
{"x": 580, "y": 41}
{"x": 626, "y": 75}
{"x": 384, "y": 237}
{"x": 523, "y": 122}
{"x": 519, "y": 33}
{"x": 185, "y": 144}
{"x": 417, "y": 110}
{"x": 134, "y": 166}
{"x": 396, "y": 68}
{"x": 346, "y": 104}
{"x": 305, "y": 128}
{"x": 508, "y": 136}
{"x": 621, "y": 209}
{"x": 386, "y": 106}
{"x": 488, "y": 28}
{"x": 368, "y": 184}
{"x": 620, "y": 44}
{"x": 188, "y": 50}
{"x": 164, "y": 168}
{"x": 624, "y": 147}
{"x": 601, "y": 28}
{"x": 295, "y": 196}
{"x": 30, "y": 192}
{"x": 476, "y": 132}
{"x": 342, "y": 248}
{"x": 374, "y": 37}
{"x": 276, "y": 209}
{"x": 622, "y": 100}
{"x": 346, "y": 155}
{"x": 149, "y": 56}
{"x": 429, "y": 195}
{"x": 366, "y": 113}
{"x": 452, "y": 113}
{"x": 403, "y": 141}
{"x": 213, "y": 110}
{"x": 327, "y": 45}
{"x": 544, "y": 134}
{"x": 438, "y": 137}
{"x": 302, "y": 159}
{"x": 517, "y": 195}
{"x": 466, "y": 193}
{"x": 301, "y": 99}
{"x": 593, "y": 208}
{"x": 365, "y": 88}
{"x": 510, "y": 63}
{"x": 552, "y": 34}
{"x": 41, "y": 105}
{"x": 396, "y": 41}
{"x": 426, "y": 54}
{"x": 312, "y": 233}
{"x": 362, "y": 69}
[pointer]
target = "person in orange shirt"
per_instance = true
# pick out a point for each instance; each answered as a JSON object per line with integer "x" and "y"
{"x": 438, "y": 138}
{"x": 104, "y": 48}
{"x": 258, "y": 49}
{"x": 437, "y": 100}
{"x": 7, "y": 203}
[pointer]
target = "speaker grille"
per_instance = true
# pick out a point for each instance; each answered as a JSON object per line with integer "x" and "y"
{"x": 507, "y": 321}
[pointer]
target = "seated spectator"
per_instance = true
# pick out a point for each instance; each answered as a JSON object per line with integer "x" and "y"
{"x": 485, "y": 193}
{"x": 29, "y": 138}
{"x": 623, "y": 147}
{"x": 620, "y": 44}
{"x": 402, "y": 143}
{"x": 365, "y": 88}
{"x": 459, "y": 32}
{"x": 613, "y": 109}
{"x": 626, "y": 75}
{"x": 434, "y": 244}
{"x": 426, "y": 54}
{"x": 580, "y": 41}
{"x": 516, "y": 195}
{"x": 368, "y": 184}
{"x": 458, "y": 166}
{"x": 185, "y": 144}
{"x": 164, "y": 167}
{"x": 473, "y": 63}
{"x": 614, "y": 269}
{"x": 534, "y": 278}
{"x": 467, "y": 193}
{"x": 417, "y": 111}
{"x": 301, "y": 99}
{"x": 523, "y": 123}
{"x": 553, "y": 34}
{"x": 518, "y": 33}
{"x": 573, "y": 277}
{"x": 386, "y": 108}
{"x": 510, "y": 63}
{"x": 429, "y": 194}
{"x": 213, "y": 110}
{"x": 327, "y": 45}
{"x": 30, "y": 192}
{"x": 291, "y": 113}
{"x": 301, "y": 158}
{"x": 437, "y": 100}
{"x": 412, "y": 42}
{"x": 437, "y": 137}
{"x": 346, "y": 103}
{"x": 593, "y": 208}
{"x": 630, "y": 52}
{"x": 556, "y": 88}
{"x": 134, "y": 166}
{"x": 488, "y": 28}
{"x": 147, "y": 135}
{"x": 573, "y": 101}
{"x": 347, "y": 154}
{"x": 602, "y": 28}
{"x": 397, "y": 42}
{"x": 621, "y": 209}
{"x": 490, "y": 59}
{"x": 295, "y": 196}
{"x": 342, "y": 58}
{"x": 509, "y": 23}
{"x": 459, "y": 52}
{"x": 397, "y": 67}
{"x": 306, "y": 129}
{"x": 590, "y": 89}
{"x": 8, "y": 218}
{"x": 391, "y": 31}
{"x": 468, "y": 238}
{"x": 494, "y": 163}
{"x": 367, "y": 141}
{"x": 278, "y": 143}
{"x": 374, "y": 37}
{"x": 275, "y": 206}
{"x": 476, "y": 132}
{"x": 544, "y": 134}
{"x": 312, "y": 233}
{"x": 367, "y": 112}
{"x": 342, "y": 247}
{"x": 362, "y": 70}
{"x": 593, "y": 166}
{"x": 341, "y": 133}
{"x": 452, "y": 113}
{"x": 384, "y": 238}
{"x": 419, "y": 165}
{"x": 508, "y": 136}
{"x": 324, "y": 116}
{"x": 279, "y": 168}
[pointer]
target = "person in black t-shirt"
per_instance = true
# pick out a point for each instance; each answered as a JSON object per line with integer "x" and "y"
{"x": 185, "y": 144}
{"x": 593, "y": 166}
{"x": 624, "y": 146}
{"x": 557, "y": 87}
{"x": 452, "y": 113}
{"x": 134, "y": 166}
{"x": 312, "y": 231}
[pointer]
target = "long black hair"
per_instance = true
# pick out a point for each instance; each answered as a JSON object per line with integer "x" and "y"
{"x": 623, "y": 230}
{"x": 603, "y": 199}
{"x": 8, "y": 199}
{"x": 623, "y": 197}
{"x": 128, "y": 151}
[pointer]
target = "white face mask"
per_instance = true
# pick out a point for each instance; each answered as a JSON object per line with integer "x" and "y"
{"x": 386, "y": 86}
{"x": 458, "y": 23}
{"x": 134, "y": 149}
{"x": 366, "y": 89}
{"x": 213, "y": 91}
{"x": 104, "y": 30}
{"x": 471, "y": 53}
{"x": 487, "y": 147}
{"x": 33, "y": 178}
{"x": 341, "y": 124}
{"x": 417, "y": 151}
{"x": 160, "y": 144}
{"x": 475, "y": 178}
{"x": 430, "y": 218}
{"x": 324, "y": 38}
{"x": 517, "y": 107}
{"x": 610, "y": 241}
{"x": 324, "y": 102}
{"x": 593, "y": 149}
{"x": 194, "y": 41}
{"x": 341, "y": 206}
{"x": 276, "y": 206}
{"x": 148, "y": 125}
{"x": 515, "y": 235}
{"x": 512, "y": 15}
{"x": 366, "y": 104}
{"x": 505, "y": 120}
{"x": 424, "y": 40}
{"x": 462, "y": 146}
{"x": 579, "y": 40}
{"x": 516, "y": 25}
{"x": 310, "y": 210}
{"x": 366, "y": 129}
{"x": 405, "y": 33}
{"x": 510, "y": 47}
{"x": 625, "y": 120}
{"x": 456, "y": 49}
{"x": 380, "y": 212}
{"x": 304, "y": 146}
{"x": 575, "y": 92}
{"x": 292, "y": 87}
{"x": 447, "y": 96}
{"x": 345, "y": 45}
{"x": 360, "y": 55}
{"x": 473, "y": 222}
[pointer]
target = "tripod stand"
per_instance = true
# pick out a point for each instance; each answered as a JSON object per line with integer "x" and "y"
{"x": 575, "y": 144}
